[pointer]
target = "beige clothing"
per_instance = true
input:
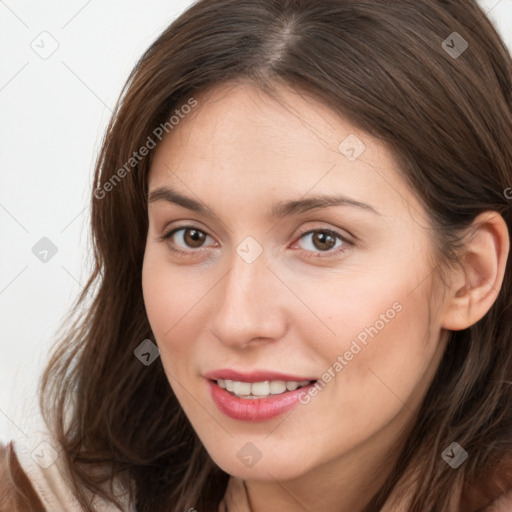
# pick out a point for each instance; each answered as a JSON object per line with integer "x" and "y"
{"x": 34, "y": 455}
{"x": 50, "y": 483}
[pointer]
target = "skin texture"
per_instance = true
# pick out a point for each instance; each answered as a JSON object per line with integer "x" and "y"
{"x": 300, "y": 305}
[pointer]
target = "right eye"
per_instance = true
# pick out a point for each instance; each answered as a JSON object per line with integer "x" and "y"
{"x": 189, "y": 236}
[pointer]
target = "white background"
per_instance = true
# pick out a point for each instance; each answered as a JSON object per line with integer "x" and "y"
{"x": 53, "y": 114}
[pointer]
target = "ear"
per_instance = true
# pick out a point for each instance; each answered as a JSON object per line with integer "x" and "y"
{"x": 477, "y": 282}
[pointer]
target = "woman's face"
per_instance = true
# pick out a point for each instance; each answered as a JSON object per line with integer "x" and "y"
{"x": 268, "y": 286}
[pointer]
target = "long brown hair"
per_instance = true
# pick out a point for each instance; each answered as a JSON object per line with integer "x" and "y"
{"x": 383, "y": 66}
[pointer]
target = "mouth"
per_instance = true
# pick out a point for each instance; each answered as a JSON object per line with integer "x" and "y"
{"x": 258, "y": 400}
{"x": 262, "y": 389}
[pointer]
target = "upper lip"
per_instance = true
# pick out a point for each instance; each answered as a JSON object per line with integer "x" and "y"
{"x": 253, "y": 376}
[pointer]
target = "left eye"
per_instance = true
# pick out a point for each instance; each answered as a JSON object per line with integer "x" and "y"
{"x": 323, "y": 240}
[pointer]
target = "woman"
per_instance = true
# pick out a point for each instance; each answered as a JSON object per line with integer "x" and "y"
{"x": 301, "y": 220}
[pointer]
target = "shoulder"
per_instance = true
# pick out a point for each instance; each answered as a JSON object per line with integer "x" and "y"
{"x": 16, "y": 492}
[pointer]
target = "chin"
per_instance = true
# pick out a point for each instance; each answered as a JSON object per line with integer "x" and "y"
{"x": 265, "y": 469}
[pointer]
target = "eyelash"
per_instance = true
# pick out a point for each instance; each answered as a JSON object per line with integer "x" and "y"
{"x": 346, "y": 244}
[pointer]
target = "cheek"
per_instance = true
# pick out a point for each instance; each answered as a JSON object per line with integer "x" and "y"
{"x": 389, "y": 350}
{"x": 156, "y": 294}
{"x": 172, "y": 296}
{"x": 380, "y": 354}
{"x": 385, "y": 374}
{"x": 387, "y": 312}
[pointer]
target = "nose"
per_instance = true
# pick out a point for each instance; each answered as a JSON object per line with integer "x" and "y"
{"x": 249, "y": 305}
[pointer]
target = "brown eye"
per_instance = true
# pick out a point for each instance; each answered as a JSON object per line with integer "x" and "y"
{"x": 319, "y": 243}
{"x": 194, "y": 238}
{"x": 322, "y": 240}
{"x": 185, "y": 238}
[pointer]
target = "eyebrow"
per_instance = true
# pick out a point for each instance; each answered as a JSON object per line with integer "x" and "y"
{"x": 279, "y": 210}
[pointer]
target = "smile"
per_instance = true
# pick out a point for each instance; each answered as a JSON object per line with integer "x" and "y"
{"x": 266, "y": 400}
{"x": 256, "y": 390}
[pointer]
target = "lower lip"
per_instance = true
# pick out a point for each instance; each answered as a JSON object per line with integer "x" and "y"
{"x": 257, "y": 409}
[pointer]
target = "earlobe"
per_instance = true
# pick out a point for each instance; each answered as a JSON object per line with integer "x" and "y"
{"x": 477, "y": 281}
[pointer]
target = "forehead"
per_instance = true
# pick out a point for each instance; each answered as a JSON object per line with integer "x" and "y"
{"x": 240, "y": 117}
{"x": 241, "y": 137}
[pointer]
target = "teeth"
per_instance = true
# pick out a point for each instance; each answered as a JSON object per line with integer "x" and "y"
{"x": 290, "y": 386}
{"x": 242, "y": 388}
{"x": 260, "y": 389}
{"x": 277, "y": 387}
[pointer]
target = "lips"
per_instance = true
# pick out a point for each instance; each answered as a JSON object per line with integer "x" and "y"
{"x": 251, "y": 408}
{"x": 260, "y": 409}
